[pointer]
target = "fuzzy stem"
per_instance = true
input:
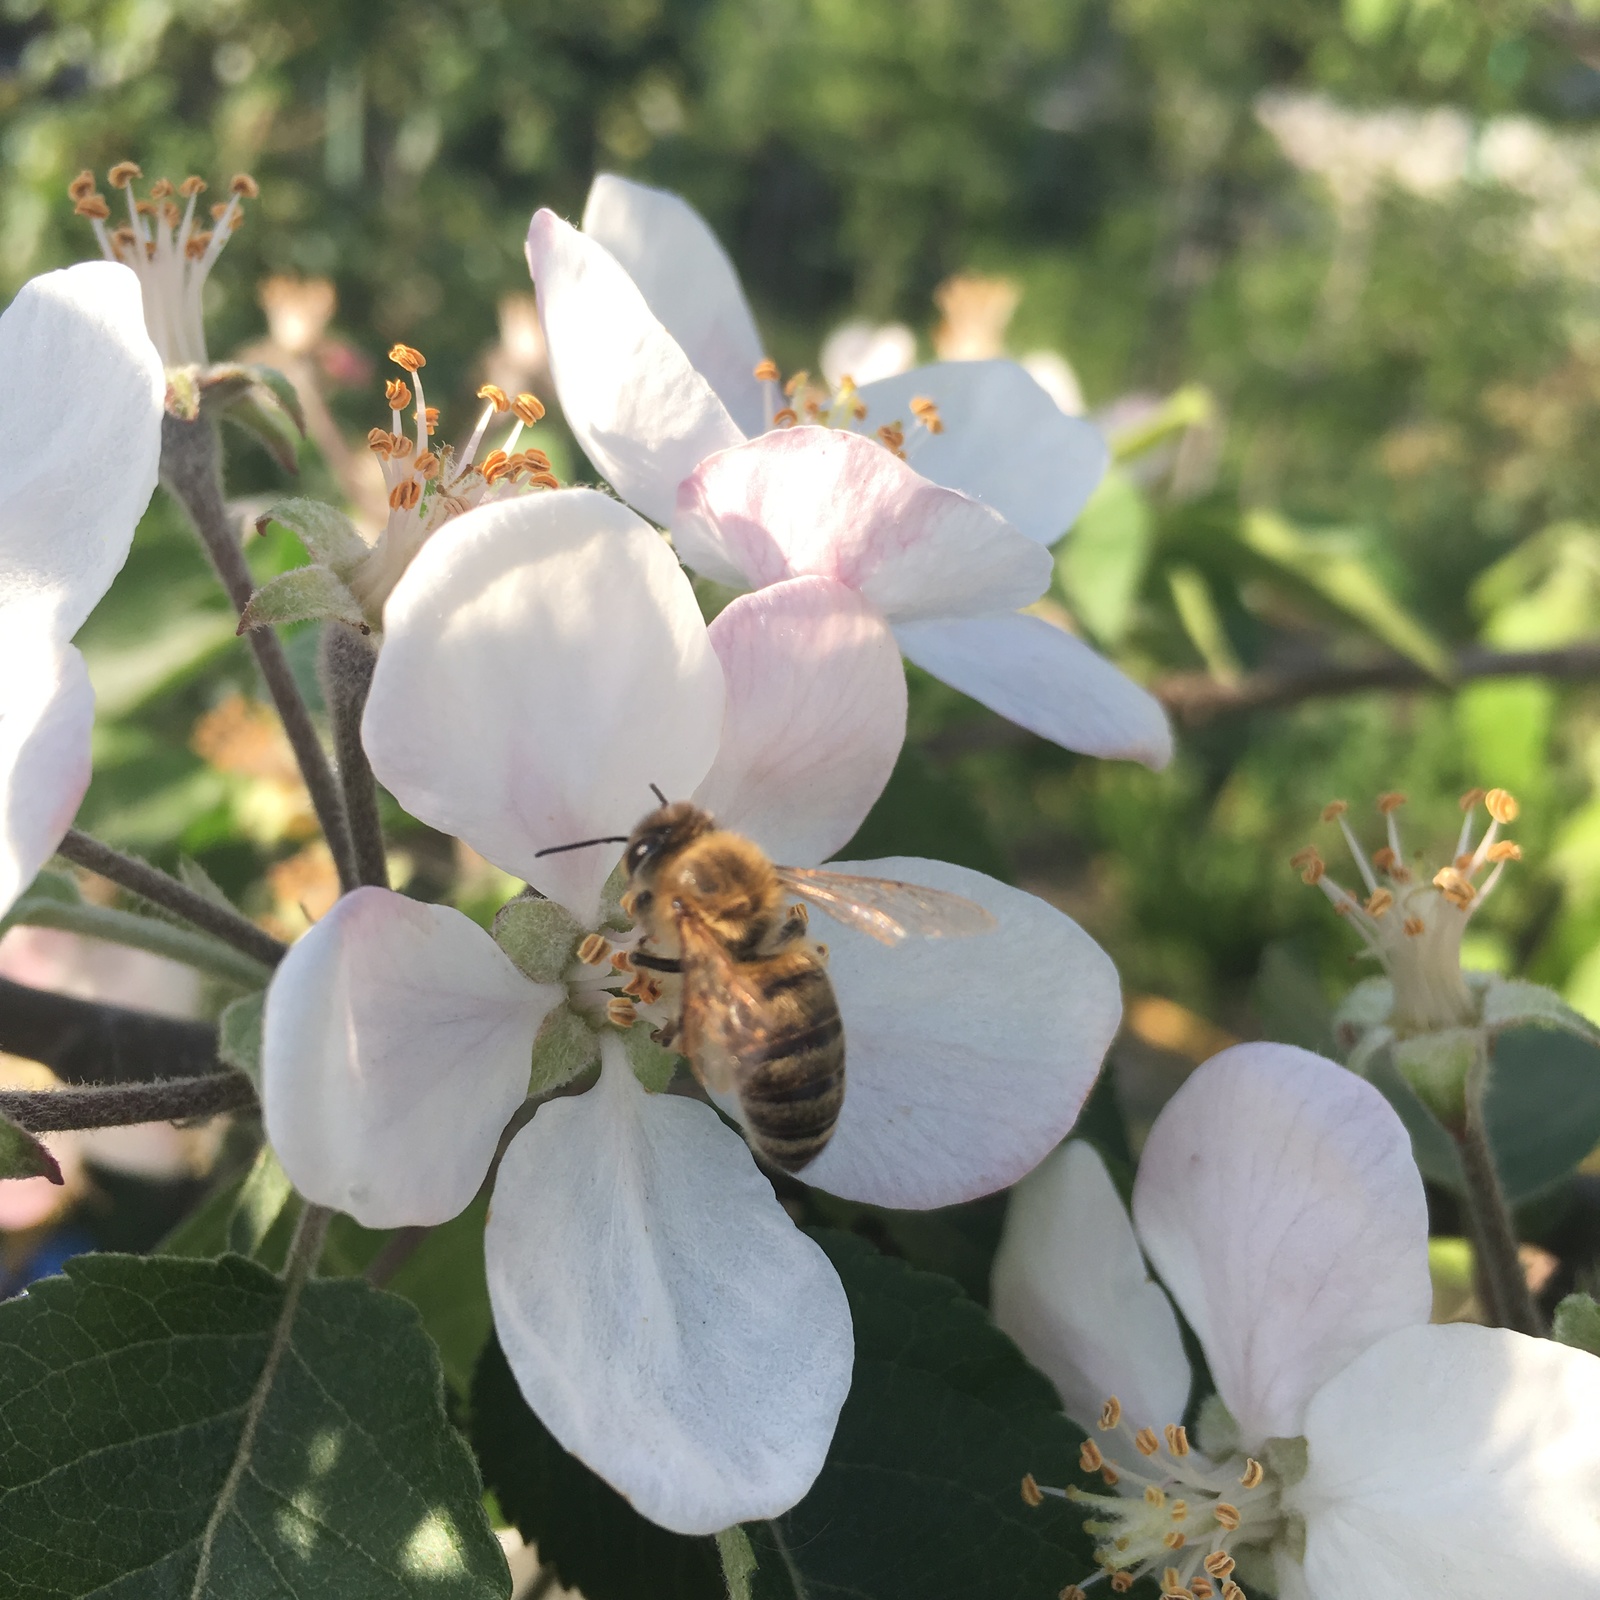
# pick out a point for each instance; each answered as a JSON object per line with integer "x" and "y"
{"x": 160, "y": 888}
{"x": 1494, "y": 1233}
{"x": 191, "y": 469}
{"x": 118, "y": 1105}
{"x": 347, "y": 663}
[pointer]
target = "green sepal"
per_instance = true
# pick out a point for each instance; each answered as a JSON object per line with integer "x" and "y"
{"x": 1515, "y": 1003}
{"x": 239, "y": 1035}
{"x": 653, "y": 1065}
{"x": 565, "y": 1046}
{"x": 1436, "y": 1065}
{"x": 1577, "y": 1323}
{"x": 22, "y": 1155}
{"x": 540, "y": 936}
{"x": 329, "y": 536}
{"x": 300, "y": 594}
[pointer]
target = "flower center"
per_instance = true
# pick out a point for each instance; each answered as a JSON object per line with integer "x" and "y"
{"x": 1177, "y": 1517}
{"x": 161, "y": 242}
{"x": 1413, "y": 924}
{"x": 427, "y": 487}
{"x": 803, "y": 400}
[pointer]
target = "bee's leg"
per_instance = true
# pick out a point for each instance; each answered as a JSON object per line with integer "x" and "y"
{"x": 667, "y": 1034}
{"x": 654, "y": 963}
{"x": 793, "y": 926}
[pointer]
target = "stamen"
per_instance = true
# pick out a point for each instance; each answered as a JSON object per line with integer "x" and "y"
{"x": 1155, "y": 1496}
{"x": 595, "y": 951}
{"x": 1254, "y": 1472}
{"x": 1390, "y": 802}
{"x": 1454, "y": 887}
{"x": 621, "y": 1013}
{"x": 1177, "y": 1439}
{"x": 1089, "y": 1457}
{"x": 1180, "y": 1510}
{"x": 1201, "y": 1589}
{"x": 191, "y": 186}
{"x": 927, "y": 413}
{"x": 1146, "y": 1442}
{"x": 1031, "y": 1495}
{"x": 1111, "y": 1413}
{"x": 1501, "y": 805}
{"x": 1174, "y": 1540}
{"x": 1232, "y": 1591}
{"x": 1504, "y": 850}
{"x": 1414, "y": 927}
{"x": 1072, "y": 1592}
{"x": 123, "y": 174}
{"x": 1378, "y": 902}
{"x": 405, "y": 495}
{"x": 244, "y": 186}
{"x": 1334, "y": 808}
{"x": 1308, "y": 863}
{"x": 397, "y": 394}
{"x": 796, "y": 384}
{"x": 786, "y": 418}
{"x": 528, "y": 409}
{"x": 1219, "y": 1563}
{"x": 766, "y": 371}
{"x": 1227, "y": 1516}
{"x": 161, "y": 189}
{"x": 403, "y": 355}
{"x": 94, "y": 207}
{"x": 1121, "y": 1582}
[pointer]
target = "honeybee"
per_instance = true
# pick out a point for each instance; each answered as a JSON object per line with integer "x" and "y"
{"x": 756, "y": 1014}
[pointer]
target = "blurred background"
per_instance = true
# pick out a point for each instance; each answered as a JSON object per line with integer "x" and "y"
{"x": 1329, "y": 277}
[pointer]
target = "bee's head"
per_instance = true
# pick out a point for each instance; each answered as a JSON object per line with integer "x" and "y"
{"x": 661, "y": 834}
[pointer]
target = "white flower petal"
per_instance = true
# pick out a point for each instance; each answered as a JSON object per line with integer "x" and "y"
{"x": 968, "y": 1059}
{"x": 689, "y": 284}
{"x": 643, "y": 415}
{"x": 81, "y": 393}
{"x": 1278, "y": 1199}
{"x": 838, "y": 504}
{"x": 1045, "y": 680}
{"x": 46, "y": 715}
{"x": 814, "y": 721}
{"x": 664, "y": 1317}
{"x": 1070, "y": 1286}
{"x": 397, "y": 1043}
{"x": 1458, "y": 1461}
{"x": 866, "y": 351}
{"x": 1005, "y": 441}
{"x": 544, "y": 662}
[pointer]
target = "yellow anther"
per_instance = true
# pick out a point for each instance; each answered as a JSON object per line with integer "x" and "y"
{"x": 430, "y": 418}
{"x": 94, "y": 207}
{"x": 1109, "y": 1476}
{"x": 1172, "y": 1583}
{"x": 858, "y": 410}
{"x": 1454, "y": 887}
{"x": 892, "y": 436}
{"x": 1201, "y": 1588}
{"x": 1174, "y": 1540}
{"x": 1219, "y": 1563}
{"x": 1309, "y": 864}
{"x": 403, "y": 355}
{"x": 1146, "y": 1441}
{"x": 621, "y": 961}
{"x": 81, "y": 186}
{"x": 1378, "y": 902}
{"x": 1179, "y": 1509}
{"x": 1414, "y": 927}
{"x": 191, "y": 186}
{"x": 1254, "y": 1472}
{"x": 1227, "y": 1516}
{"x": 1089, "y": 1457}
{"x": 1385, "y": 860}
{"x": 595, "y": 951}
{"x": 495, "y": 466}
{"x": 427, "y": 466}
{"x": 796, "y": 384}
{"x": 145, "y": 208}
{"x": 1503, "y": 850}
{"x": 496, "y": 396}
{"x": 405, "y": 495}
{"x": 1232, "y": 1591}
{"x": 197, "y": 245}
{"x": 766, "y": 371}
{"x": 621, "y": 1013}
{"x": 785, "y": 418}
{"x": 1072, "y": 1592}
{"x": 1392, "y": 801}
{"x": 1471, "y": 798}
{"x": 1111, "y": 1413}
{"x": 121, "y": 175}
{"x": 1031, "y": 1493}
{"x": 1121, "y": 1582}
{"x": 161, "y": 188}
{"x": 926, "y": 412}
{"x": 1155, "y": 1495}
{"x": 1334, "y": 809}
{"x": 396, "y": 392}
{"x": 219, "y": 211}
{"x": 244, "y": 186}
{"x": 1177, "y": 1439}
{"x": 402, "y": 446}
{"x": 527, "y": 408}
{"x": 1501, "y": 806}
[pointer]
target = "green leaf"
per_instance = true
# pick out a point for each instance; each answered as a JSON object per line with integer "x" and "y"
{"x": 239, "y": 1035}
{"x": 125, "y": 1388}
{"x": 258, "y": 411}
{"x": 299, "y": 595}
{"x": 22, "y": 1156}
{"x": 329, "y": 536}
{"x": 281, "y": 390}
{"x": 1100, "y": 566}
{"x": 1329, "y": 564}
{"x": 261, "y": 1201}
{"x": 1513, "y": 1002}
{"x": 594, "y": 1539}
{"x": 193, "y": 876}
{"x": 1577, "y": 1322}
{"x": 1197, "y": 611}
{"x": 541, "y": 936}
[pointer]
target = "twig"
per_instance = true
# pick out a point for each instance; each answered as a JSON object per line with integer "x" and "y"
{"x": 86, "y": 1041}
{"x": 347, "y": 663}
{"x": 394, "y": 1255}
{"x": 118, "y": 1105}
{"x": 164, "y": 890}
{"x": 191, "y": 470}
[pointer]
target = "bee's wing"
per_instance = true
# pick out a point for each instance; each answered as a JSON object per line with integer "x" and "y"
{"x": 890, "y": 911}
{"x": 722, "y": 1012}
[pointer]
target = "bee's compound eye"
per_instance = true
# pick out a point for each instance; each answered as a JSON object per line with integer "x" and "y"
{"x": 638, "y": 853}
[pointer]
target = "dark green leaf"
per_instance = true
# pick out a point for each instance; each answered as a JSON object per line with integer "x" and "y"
{"x": 124, "y": 1390}
{"x": 261, "y": 1201}
{"x": 923, "y": 813}
{"x": 1101, "y": 564}
{"x": 22, "y": 1156}
{"x": 1577, "y": 1323}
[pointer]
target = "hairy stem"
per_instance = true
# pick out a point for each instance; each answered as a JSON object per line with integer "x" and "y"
{"x": 88, "y": 1041}
{"x": 162, "y": 889}
{"x": 191, "y": 468}
{"x": 347, "y": 663}
{"x": 115, "y": 1105}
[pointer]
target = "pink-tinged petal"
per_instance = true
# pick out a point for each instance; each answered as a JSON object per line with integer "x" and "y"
{"x": 814, "y": 720}
{"x": 1005, "y": 441}
{"x": 80, "y": 411}
{"x": 643, "y": 415}
{"x": 544, "y": 662}
{"x": 1459, "y": 1461}
{"x": 966, "y": 1059}
{"x": 819, "y": 500}
{"x": 1043, "y": 679}
{"x": 46, "y": 716}
{"x": 664, "y": 1317}
{"x": 397, "y": 1042}
{"x": 689, "y": 284}
{"x": 1278, "y": 1199}
{"x": 1070, "y": 1286}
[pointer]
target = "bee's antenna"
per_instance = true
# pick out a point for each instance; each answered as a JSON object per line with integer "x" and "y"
{"x": 582, "y": 844}
{"x": 658, "y": 794}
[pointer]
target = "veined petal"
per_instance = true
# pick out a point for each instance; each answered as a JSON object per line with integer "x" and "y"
{"x": 1043, "y": 679}
{"x": 968, "y": 1059}
{"x": 666, "y": 1320}
{"x": 689, "y": 284}
{"x": 1458, "y": 1461}
{"x": 80, "y": 411}
{"x": 544, "y": 662}
{"x": 838, "y": 504}
{"x": 643, "y": 415}
{"x": 1071, "y": 1287}
{"x": 1005, "y": 441}
{"x": 396, "y": 1045}
{"x": 1278, "y": 1199}
{"x": 46, "y": 715}
{"x": 814, "y": 719}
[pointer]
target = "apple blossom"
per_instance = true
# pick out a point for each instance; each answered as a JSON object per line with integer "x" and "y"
{"x": 1351, "y": 1448}
{"x": 81, "y": 413}
{"x": 661, "y": 376}
{"x": 544, "y": 665}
